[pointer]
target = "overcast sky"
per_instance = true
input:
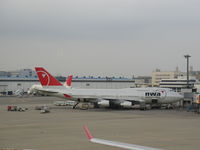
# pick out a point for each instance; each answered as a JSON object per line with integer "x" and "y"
{"x": 99, "y": 37}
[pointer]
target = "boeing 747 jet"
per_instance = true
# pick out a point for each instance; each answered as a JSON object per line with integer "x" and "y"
{"x": 124, "y": 98}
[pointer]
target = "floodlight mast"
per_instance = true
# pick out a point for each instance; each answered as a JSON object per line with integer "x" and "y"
{"x": 187, "y": 57}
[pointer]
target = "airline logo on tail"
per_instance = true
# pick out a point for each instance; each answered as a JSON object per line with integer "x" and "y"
{"x": 46, "y": 79}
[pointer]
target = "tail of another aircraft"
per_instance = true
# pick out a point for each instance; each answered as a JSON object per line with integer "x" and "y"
{"x": 46, "y": 79}
{"x": 69, "y": 80}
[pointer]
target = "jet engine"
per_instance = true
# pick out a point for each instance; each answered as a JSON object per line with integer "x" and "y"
{"x": 103, "y": 103}
{"x": 126, "y": 104}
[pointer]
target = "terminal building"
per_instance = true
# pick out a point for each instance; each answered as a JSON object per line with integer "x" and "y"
{"x": 177, "y": 84}
{"x": 159, "y": 75}
{"x": 101, "y": 82}
{"x": 143, "y": 81}
{"x": 24, "y": 79}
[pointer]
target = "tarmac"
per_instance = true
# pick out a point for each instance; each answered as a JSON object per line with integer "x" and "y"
{"x": 61, "y": 129}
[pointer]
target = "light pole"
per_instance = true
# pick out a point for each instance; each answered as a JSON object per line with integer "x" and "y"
{"x": 187, "y": 57}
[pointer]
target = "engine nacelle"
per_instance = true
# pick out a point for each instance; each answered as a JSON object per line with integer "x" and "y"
{"x": 126, "y": 104}
{"x": 103, "y": 103}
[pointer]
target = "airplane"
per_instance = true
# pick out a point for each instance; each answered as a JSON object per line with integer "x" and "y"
{"x": 114, "y": 98}
{"x": 114, "y": 143}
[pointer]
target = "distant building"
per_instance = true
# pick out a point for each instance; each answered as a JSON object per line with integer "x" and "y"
{"x": 10, "y": 85}
{"x": 24, "y": 73}
{"x": 159, "y": 75}
{"x": 177, "y": 84}
{"x": 196, "y": 74}
{"x": 5, "y": 74}
{"x": 143, "y": 81}
{"x": 101, "y": 82}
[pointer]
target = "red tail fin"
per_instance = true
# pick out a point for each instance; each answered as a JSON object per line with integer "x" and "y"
{"x": 69, "y": 80}
{"x": 46, "y": 79}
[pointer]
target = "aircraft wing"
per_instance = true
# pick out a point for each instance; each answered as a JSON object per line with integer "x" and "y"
{"x": 116, "y": 144}
{"x": 110, "y": 98}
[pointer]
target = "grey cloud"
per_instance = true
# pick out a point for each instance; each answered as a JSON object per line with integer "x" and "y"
{"x": 104, "y": 34}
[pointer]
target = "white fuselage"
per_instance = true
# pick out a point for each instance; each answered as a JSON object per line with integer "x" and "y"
{"x": 147, "y": 95}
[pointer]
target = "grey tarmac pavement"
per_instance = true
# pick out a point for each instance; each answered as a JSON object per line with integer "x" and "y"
{"x": 61, "y": 129}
